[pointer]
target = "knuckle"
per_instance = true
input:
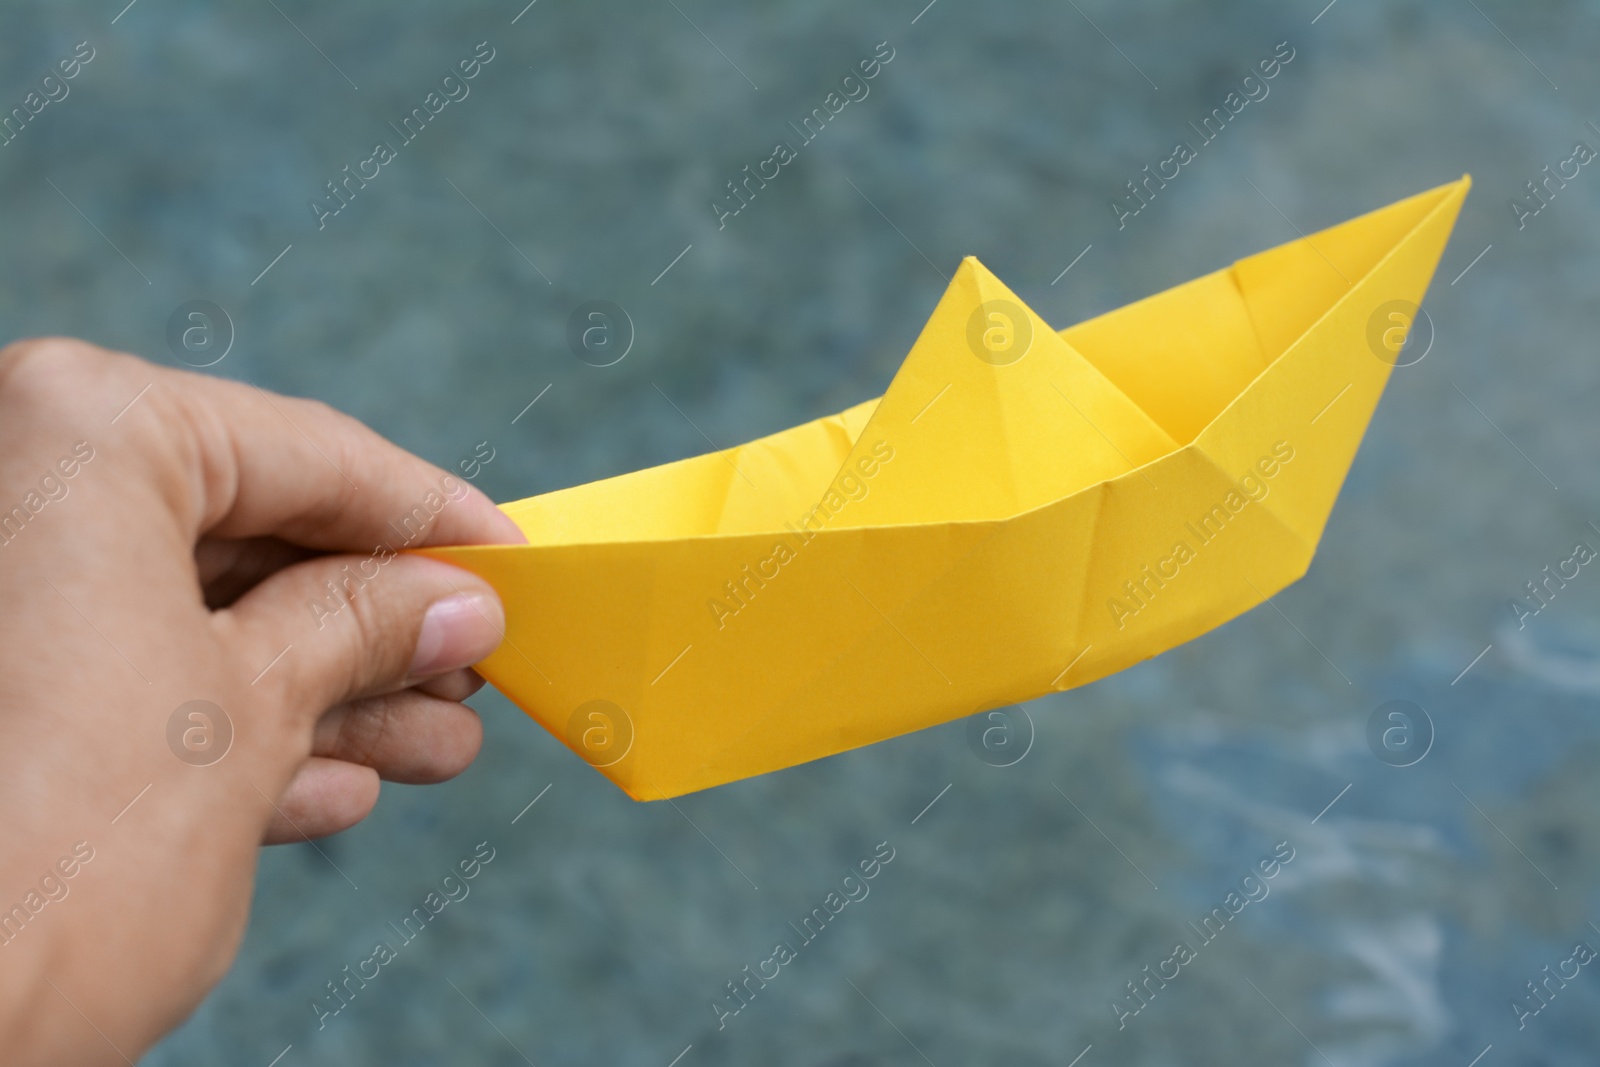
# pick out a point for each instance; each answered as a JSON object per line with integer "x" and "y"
{"x": 321, "y": 410}
{"x": 333, "y": 422}
{"x": 332, "y": 428}
{"x": 62, "y": 379}
{"x": 363, "y": 729}
{"x": 354, "y": 642}
{"x": 47, "y": 368}
{"x": 379, "y": 650}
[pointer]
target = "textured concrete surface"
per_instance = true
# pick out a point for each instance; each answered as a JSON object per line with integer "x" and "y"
{"x": 586, "y": 157}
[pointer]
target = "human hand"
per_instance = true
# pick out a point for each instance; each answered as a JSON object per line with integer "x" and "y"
{"x": 167, "y": 537}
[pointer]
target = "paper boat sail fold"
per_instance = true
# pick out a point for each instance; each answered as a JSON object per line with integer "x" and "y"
{"x": 1022, "y": 511}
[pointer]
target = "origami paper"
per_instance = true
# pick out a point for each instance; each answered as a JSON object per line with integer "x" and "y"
{"x": 1023, "y": 511}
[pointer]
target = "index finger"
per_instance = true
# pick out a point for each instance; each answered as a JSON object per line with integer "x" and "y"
{"x": 308, "y": 474}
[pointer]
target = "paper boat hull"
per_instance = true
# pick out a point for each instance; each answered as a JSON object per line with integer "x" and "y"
{"x": 679, "y": 628}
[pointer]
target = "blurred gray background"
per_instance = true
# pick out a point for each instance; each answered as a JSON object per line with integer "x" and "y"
{"x": 584, "y": 160}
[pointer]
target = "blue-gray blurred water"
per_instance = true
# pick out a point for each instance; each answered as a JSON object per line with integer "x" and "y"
{"x": 586, "y": 157}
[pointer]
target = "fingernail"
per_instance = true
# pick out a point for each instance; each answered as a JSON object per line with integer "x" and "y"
{"x": 457, "y": 632}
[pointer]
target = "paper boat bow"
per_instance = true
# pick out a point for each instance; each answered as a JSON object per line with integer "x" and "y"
{"x": 1023, "y": 511}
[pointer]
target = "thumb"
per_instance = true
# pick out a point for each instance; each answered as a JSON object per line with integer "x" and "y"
{"x": 337, "y": 628}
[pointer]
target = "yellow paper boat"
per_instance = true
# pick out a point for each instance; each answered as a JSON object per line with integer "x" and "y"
{"x": 1023, "y": 511}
